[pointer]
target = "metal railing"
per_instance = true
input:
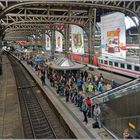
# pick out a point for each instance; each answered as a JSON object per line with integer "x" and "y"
{"x": 117, "y": 126}
{"x": 122, "y": 90}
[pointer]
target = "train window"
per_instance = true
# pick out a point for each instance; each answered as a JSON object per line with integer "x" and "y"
{"x": 122, "y": 65}
{"x": 129, "y": 67}
{"x": 105, "y": 62}
{"x": 101, "y": 61}
{"x": 137, "y": 68}
{"x": 110, "y": 63}
{"x": 116, "y": 64}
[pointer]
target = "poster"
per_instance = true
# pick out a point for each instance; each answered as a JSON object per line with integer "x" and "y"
{"x": 59, "y": 44}
{"x": 113, "y": 37}
{"x": 48, "y": 42}
{"x": 77, "y": 39}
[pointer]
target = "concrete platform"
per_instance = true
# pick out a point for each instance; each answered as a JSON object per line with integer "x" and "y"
{"x": 72, "y": 115}
{"x": 10, "y": 117}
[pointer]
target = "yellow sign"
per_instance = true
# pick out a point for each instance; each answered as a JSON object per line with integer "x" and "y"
{"x": 131, "y": 125}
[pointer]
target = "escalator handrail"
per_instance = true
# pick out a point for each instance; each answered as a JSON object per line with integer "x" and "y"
{"x": 136, "y": 85}
{"x": 117, "y": 88}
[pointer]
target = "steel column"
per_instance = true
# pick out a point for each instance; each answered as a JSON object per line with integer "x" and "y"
{"x": 52, "y": 42}
{"x": 43, "y": 41}
{"x": 67, "y": 38}
{"x": 90, "y": 35}
{"x": 94, "y": 29}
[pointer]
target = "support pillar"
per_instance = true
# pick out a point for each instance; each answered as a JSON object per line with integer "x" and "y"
{"x": 52, "y": 43}
{"x": 91, "y": 33}
{"x": 94, "y": 30}
{"x": 43, "y": 41}
{"x": 67, "y": 38}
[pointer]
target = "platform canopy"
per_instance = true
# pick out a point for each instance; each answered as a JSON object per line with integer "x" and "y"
{"x": 65, "y": 64}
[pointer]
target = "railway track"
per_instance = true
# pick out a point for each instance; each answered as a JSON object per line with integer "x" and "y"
{"x": 35, "y": 121}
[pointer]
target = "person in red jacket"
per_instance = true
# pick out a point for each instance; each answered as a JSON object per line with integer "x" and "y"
{"x": 89, "y": 103}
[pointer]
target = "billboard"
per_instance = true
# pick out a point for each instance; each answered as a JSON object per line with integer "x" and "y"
{"x": 48, "y": 42}
{"x": 77, "y": 39}
{"x": 113, "y": 37}
{"x": 59, "y": 41}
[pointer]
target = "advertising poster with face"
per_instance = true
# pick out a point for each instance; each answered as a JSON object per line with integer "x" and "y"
{"x": 48, "y": 42}
{"x": 77, "y": 39}
{"x": 59, "y": 42}
{"x": 113, "y": 37}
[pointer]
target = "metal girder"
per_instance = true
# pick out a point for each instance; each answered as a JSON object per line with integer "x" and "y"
{"x": 84, "y": 3}
{"x": 2, "y": 6}
{"x": 74, "y": 12}
{"x": 31, "y": 26}
{"x": 33, "y": 29}
{"x": 13, "y": 18}
{"x": 102, "y": 4}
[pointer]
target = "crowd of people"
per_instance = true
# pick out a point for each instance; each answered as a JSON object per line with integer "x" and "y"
{"x": 73, "y": 85}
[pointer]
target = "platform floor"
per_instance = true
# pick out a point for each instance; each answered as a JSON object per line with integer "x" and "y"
{"x": 71, "y": 112}
{"x": 10, "y": 117}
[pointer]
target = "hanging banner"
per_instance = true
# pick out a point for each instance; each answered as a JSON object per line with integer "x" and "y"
{"x": 48, "y": 42}
{"x": 113, "y": 37}
{"x": 77, "y": 39}
{"x": 59, "y": 42}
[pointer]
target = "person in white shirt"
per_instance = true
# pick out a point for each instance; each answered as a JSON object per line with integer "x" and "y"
{"x": 97, "y": 114}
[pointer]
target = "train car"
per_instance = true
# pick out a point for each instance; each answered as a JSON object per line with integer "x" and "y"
{"x": 119, "y": 66}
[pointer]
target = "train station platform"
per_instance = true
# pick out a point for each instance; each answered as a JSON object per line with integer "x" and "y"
{"x": 72, "y": 115}
{"x": 10, "y": 117}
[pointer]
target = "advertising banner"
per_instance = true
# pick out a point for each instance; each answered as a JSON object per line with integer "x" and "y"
{"x": 77, "y": 39}
{"x": 113, "y": 37}
{"x": 59, "y": 41}
{"x": 48, "y": 42}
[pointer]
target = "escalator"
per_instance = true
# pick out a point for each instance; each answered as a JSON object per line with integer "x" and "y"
{"x": 121, "y": 109}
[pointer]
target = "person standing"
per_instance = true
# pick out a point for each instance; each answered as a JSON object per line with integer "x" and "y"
{"x": 82, "y": 75}
{"x": 43, "y": 79}
{"x": 97, "y": 114}
{"x": 84, "y": 109}
{"x": 67, "y": 94}
{"x": 89, "y": 103}
{"x": 85, "y": 75}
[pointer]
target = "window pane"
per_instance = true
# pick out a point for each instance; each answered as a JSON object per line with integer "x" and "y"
{"x": 105, "y": 62}
{"x": 122, "y": 65}
{"x": 110, "y": 63}
{"x": 116, "y": 64}
{"x": 137, "y": 68}
{"x": 102, "y": 61}
{"x": 129, "y": 67}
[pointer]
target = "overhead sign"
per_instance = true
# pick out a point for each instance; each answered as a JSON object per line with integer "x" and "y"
{"x": 77, "y": 39}
{"x": 48, "y": 42}
{"x": 113, "y": 37}
{"x": 59, "y": 41}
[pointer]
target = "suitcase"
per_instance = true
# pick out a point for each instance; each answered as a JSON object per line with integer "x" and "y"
{"x": 95, "y": 125}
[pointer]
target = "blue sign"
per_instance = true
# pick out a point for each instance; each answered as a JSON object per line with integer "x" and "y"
{"x": 39, "y": 59}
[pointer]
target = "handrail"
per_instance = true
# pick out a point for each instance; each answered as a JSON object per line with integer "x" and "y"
{"x": 123, "y": 118}
{"x": 117, "y": 88}
{"x": 119, "y": 95}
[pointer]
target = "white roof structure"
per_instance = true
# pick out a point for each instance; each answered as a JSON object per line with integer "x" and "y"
{"x": 65, "y": 63}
